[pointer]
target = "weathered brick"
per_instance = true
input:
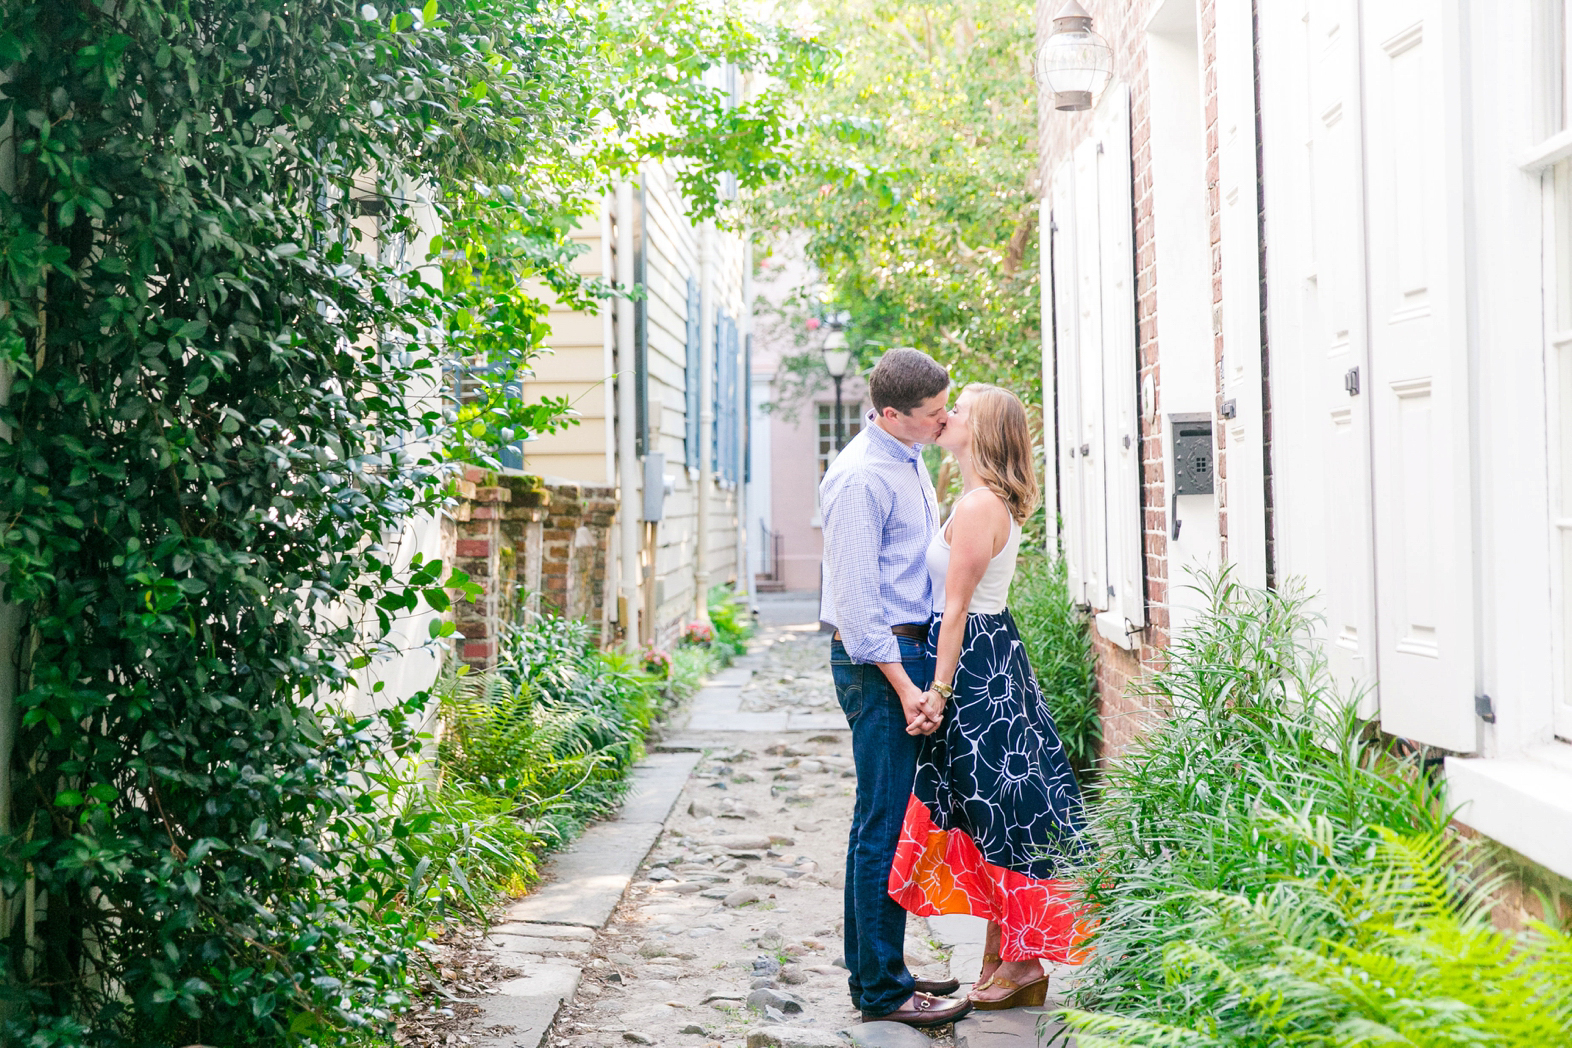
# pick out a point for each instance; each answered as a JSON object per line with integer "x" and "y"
{"x": 473, "y": 548}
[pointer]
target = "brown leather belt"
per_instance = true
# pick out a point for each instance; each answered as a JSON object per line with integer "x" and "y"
{"x": 909, "y": 630}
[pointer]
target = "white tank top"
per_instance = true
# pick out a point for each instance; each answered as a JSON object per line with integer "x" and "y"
{"x": 993, "y": 589}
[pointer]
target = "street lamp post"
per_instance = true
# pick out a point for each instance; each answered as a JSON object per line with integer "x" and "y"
{"x": 837, "y": 358}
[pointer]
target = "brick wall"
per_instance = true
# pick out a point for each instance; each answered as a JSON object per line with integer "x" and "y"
{"x": 531, "y": 547}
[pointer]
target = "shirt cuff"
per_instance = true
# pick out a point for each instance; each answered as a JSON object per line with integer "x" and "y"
{"x": 873, "y": 646}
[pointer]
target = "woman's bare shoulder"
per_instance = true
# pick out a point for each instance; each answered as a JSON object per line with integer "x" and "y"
{"x": 981, "y": 514}
{"x": 982, "y": 505}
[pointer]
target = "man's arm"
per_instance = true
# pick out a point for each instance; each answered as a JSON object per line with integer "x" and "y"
{"x": 854, "y": 512}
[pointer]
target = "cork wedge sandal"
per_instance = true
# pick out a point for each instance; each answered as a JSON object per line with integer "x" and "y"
{"x": 993, "y": 959}
{"x": 1021, "y": 995}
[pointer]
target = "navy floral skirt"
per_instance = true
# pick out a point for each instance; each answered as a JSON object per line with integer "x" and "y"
{"x": 995, "y": 823}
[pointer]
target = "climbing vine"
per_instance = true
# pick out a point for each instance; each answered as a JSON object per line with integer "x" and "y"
{"x": 226, "y": 328}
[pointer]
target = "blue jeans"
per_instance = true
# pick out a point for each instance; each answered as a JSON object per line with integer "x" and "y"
{"x": 886, "y": 760}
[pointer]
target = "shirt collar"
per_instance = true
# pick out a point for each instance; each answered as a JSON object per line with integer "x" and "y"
{"x": 887, "y": 443}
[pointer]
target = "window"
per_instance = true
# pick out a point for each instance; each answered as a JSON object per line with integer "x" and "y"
{"x": 851, "y": 425}
{"x": 1558, "y": 364}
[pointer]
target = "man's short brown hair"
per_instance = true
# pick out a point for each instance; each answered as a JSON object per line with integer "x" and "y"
{"x": 904, "y": 378}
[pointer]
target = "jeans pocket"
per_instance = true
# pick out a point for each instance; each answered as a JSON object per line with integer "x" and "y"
{"x": 848, "y": 686}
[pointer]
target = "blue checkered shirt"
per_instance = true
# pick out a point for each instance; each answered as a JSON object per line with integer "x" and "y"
{"x": 879, "y": 513}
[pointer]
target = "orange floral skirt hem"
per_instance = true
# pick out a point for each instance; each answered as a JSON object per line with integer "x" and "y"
{"x": 942, "y": 872}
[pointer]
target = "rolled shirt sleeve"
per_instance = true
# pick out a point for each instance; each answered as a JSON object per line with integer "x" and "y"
{"x": 854, "y": 512}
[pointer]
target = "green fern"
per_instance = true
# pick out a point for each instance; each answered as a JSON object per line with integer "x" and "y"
{"x": 1401, "y": 952}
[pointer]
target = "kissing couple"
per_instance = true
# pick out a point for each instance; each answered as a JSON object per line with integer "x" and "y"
{"x": 966, "y": 802}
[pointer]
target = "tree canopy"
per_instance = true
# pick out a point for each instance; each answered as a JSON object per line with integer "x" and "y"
{"x": 918, "y": 187}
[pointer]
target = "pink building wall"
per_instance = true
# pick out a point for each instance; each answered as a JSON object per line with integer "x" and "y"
{"x": 794, "y": 466}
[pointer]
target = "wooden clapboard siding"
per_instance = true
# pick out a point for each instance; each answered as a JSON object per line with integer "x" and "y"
{"x": 575, "y": 366}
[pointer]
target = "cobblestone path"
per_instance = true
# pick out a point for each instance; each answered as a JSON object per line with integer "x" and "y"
{"x": 735, "y": 921}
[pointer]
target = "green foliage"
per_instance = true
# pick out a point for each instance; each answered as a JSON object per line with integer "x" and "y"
{"x": 468, "y": 848}
{"x": 214, "y": 312}
{"x": 918, "y": 187}
{"x": 1059, "y": 647}
{"x": 528, "y": 756}
{"x": 1395, "y": 949}
{"x": 732, "y": 623}
{"x": 595, "y": 90}
{"x": 689, "y": 666}
{"x": 1255, "y": 774}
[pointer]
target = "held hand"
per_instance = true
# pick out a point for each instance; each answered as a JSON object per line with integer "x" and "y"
{"x": 914, "y": 704}
{"x": 933, "y": 706}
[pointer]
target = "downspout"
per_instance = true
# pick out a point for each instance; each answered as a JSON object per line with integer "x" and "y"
{"x": 744, "y": 402}
{"x": 701, "y": 554}
{"x": 608, "y": 339}
{"x": 630, "y": 509}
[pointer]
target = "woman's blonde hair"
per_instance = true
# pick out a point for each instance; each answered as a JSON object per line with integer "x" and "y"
{"x": 1002, "y": 447}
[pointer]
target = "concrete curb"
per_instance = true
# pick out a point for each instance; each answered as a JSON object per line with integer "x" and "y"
{"x": 546, "y": 934}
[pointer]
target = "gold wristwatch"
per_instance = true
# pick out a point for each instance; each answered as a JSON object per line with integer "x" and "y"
{"x": 943, "y": 690}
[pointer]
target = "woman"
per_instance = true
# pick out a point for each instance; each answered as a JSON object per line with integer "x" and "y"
{"x": 994, "y": 822}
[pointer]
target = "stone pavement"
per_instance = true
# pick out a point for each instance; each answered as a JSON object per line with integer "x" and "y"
{"x": 708, "y": 914}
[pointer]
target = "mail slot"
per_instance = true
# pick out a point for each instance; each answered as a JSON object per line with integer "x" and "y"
{"x": 1193, "y": 450}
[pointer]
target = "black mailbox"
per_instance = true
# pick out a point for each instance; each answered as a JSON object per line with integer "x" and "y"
{"x": 1193, "y": 456}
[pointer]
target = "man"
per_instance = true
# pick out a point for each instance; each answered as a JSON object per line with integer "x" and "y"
{"x": 879, "y": 514}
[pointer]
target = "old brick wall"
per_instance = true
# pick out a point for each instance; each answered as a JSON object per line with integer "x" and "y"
{"x": 531, "y": 546}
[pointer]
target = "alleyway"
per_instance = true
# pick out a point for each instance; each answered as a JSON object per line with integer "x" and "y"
{"x": 729, "y": 932}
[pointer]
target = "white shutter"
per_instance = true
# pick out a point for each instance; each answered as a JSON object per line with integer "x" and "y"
{"x": 1418, "y": 372}
{"x": 1067, "y": 369}
{"x": 1245, "y": 482}
{"x": 1311, "y": 95}
{"x": 1051, "y": 442}
{"x": 1343, "y": 348}
{"x": 1125, "y": 585}
{"x": 1091, "y": 446}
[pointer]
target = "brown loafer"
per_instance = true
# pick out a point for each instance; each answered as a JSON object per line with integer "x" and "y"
{"x": 922, "y": 1010}
{"x": 936, "y": 987}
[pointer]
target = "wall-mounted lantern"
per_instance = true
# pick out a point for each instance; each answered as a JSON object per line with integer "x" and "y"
{"x": 1075, "y": 63}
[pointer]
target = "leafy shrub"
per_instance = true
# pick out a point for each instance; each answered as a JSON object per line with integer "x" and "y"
{"x": 657, "y": 662}
{"x": 1396, "y": 949}
{"x": 698, "y": 633}
{"x": 689, "y": 667}
{"x": 1059, "y": 648}
{"x": 1257, "y": 774}
{"x": 732, "y": 622}
{"x": 528, "y": 755}
{"x": 216, "y": 412}
{"x": 467, "y": 849}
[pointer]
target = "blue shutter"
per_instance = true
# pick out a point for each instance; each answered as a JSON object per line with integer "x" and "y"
{"x": 733, "y": 397}
{"x": 717, "y": 398}
{"x": 747, "y": 410}
{"x": 691, "y": 375}
{"x": 725, "y": 459}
